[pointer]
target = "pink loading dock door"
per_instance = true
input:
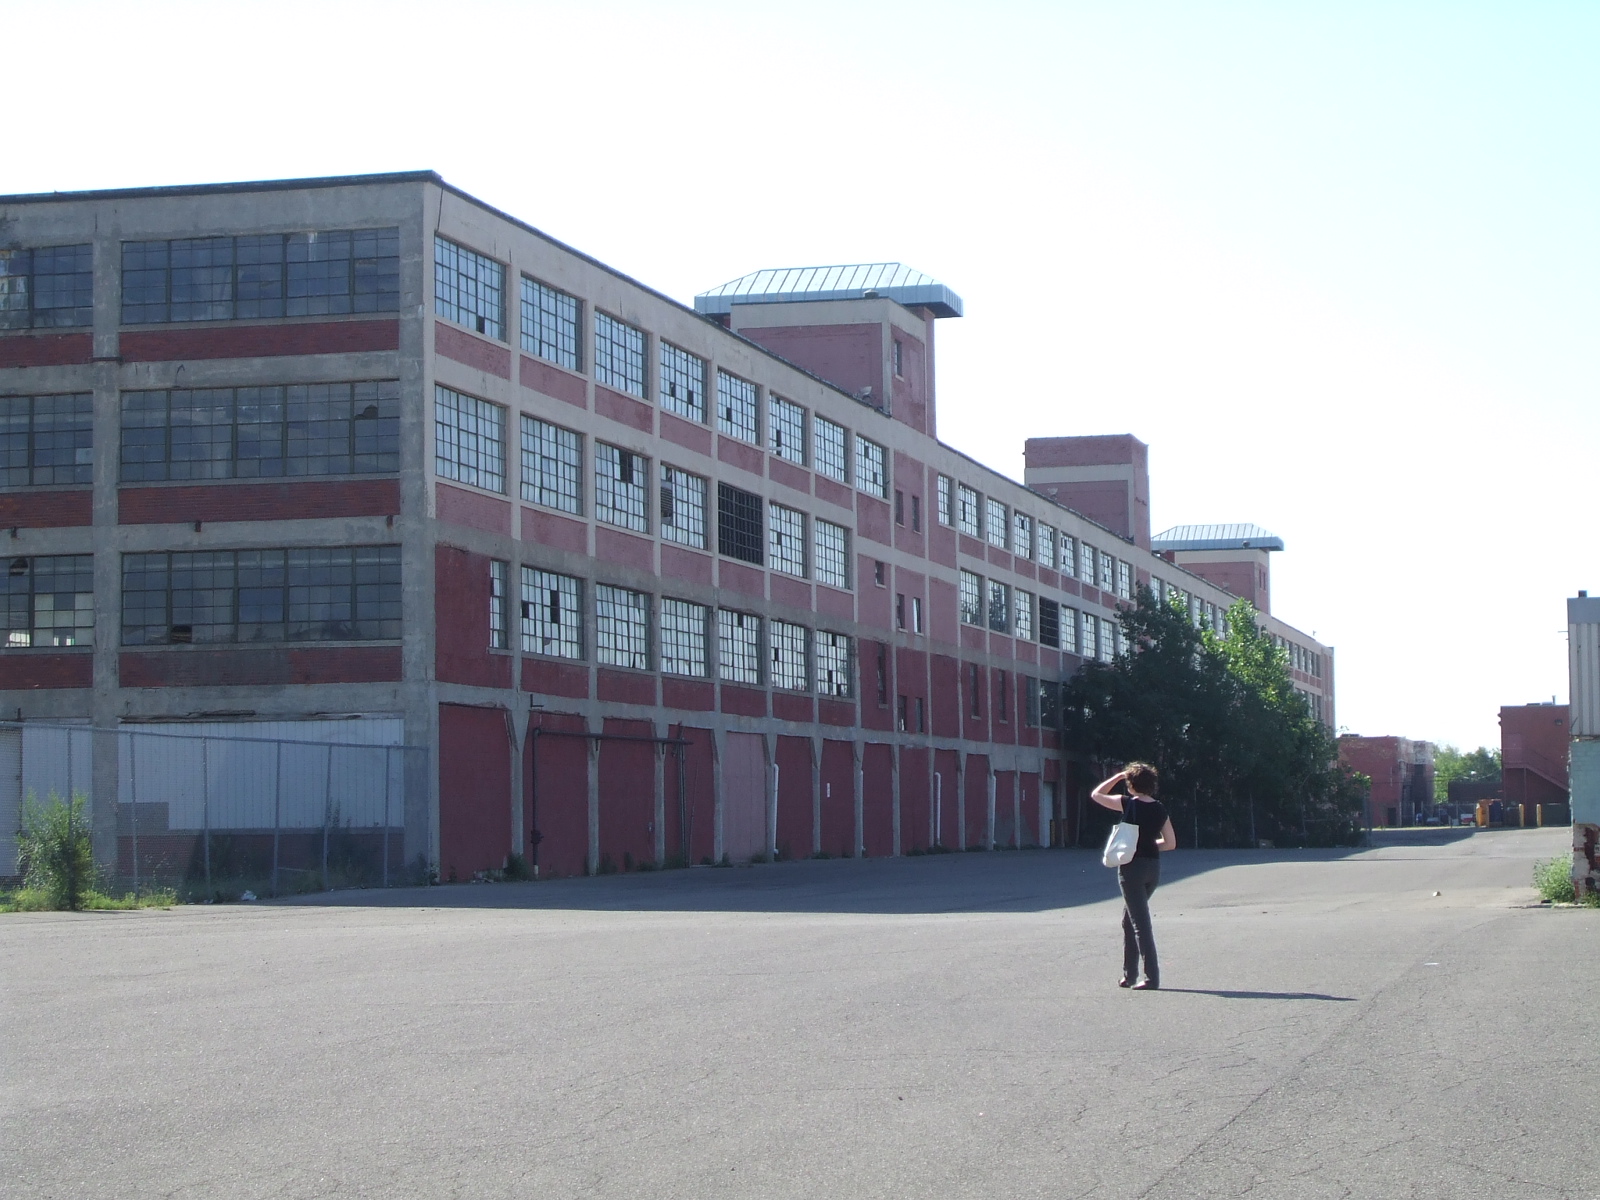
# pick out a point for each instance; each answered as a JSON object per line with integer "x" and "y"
{"x": 838, "y": 799}
{"x": 744, "y": 797}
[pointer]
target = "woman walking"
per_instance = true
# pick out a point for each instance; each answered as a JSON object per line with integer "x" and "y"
{"x": 1138, "y": 878}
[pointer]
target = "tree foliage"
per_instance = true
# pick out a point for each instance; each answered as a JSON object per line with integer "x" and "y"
{"x": 1471, "y": 766}
{"x": 1242, "y": 758}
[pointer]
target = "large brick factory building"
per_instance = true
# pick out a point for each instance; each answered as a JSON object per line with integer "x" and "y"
{"x": 643, "y": 581}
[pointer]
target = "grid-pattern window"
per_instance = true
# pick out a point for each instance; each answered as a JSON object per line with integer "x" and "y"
{"x": 738, "y": 646}
{"x": 739, "y": 525}
{"x": 46, "y": 439}
{"x": 261, "y": 275}
{"x": 1089, "y": 635}
{"x": 834, "y": 675}
{"x": 346, "y": 593}
{"x": 683, "y": 638}
{"x": 999, "y": 606}
{"x": 683, "y": 508}
{"x": 1022, "y": 535}
{"x": 786, "y": 429}
{"x": 736, "y": 408}
{"x": 872, "y": 472}
{"x": 1069, "y": 556}
{"x": 552, "y": 465}
{"x": 946, "y": 500}
{"x": 1108, "y": 639}
{"x": 469, "y": 289}
{"x": 552, "y": 324}
{"x": 262, "y": 432}
{"x": 498, "y": 634}
{"x": 1069, "y": 630}
{"x": 682, "y": 385}
{"x": 994, "y": 524}
{"x": 621, "y": 627}
{"x": 966, "y": 510}
{"x": 50, "y": 601}
{"x": 828, "y": 454}
{"x": 1086, "y": 560}
{"x": 469, "y": 439}
{"x": 970, "y": 590}
{"x": 1030, "y": 701}
{"x": 788, "y": 656}
{"x": 49, "y": 287}
{"x": 1107, "y": 578}
{"x": 1124, "y": 580}
{"x": 1022, "y": 608}
{"x": 786, "y": 540}
{"x": 831, "y": 553}
{"x": 621, "y": 487}
{"x": 618, "y": 355}
{"x": 1049, "y": 623}
{"x": 1047, "y": 546}
{"x": 916, "y": 614}
{"x": 552, "y": 614}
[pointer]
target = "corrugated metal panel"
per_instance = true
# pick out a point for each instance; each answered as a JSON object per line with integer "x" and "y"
{"x": 1584, "y": 781}
{"x": 1583, "y": 665}
{"x": 10, "y": 798}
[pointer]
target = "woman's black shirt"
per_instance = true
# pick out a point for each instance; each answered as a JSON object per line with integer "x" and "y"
{"x": 1151, "y": 818}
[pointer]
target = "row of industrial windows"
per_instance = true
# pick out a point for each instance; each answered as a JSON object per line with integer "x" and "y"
{"x": 208, "y": 433}
{"x": 470, "y": 290}
{"x": 632, "y": 493}
{"x": 1301, "y": 659}
{"x": 342, "y": 593}
{"x": 689, "y": 639}
{"x": 318, "y": 273}
{"x": 991, "y": 604}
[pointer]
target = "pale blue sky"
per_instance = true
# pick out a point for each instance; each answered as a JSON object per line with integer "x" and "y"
{"x": 1335, "y": 263}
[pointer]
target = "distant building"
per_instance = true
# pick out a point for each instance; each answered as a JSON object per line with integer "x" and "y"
{"x": 1533, "y": 753}
{"x": 1402, "y": 776}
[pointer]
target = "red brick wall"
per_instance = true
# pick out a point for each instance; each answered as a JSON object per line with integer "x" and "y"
{"x": 302, "y": 501}
{"x": 27, "y": 669}
{"x": 556, "y": 795}
{"x": 838, "y": 799}
{"x": 627, "y": 796}
{"x": 259, "y": 341}
{"x": 461, "y": 621}
{"x": 699, "y": 804}
{"x": 238, "y": 668}
{"x": 794, "y": 797}
{"x": 474, "y": 791}
{"x": 458, "y": 506}
{"x": 46, "y": 510}
{"x": 471, "y": 350}
{"x": 46, "y": 349}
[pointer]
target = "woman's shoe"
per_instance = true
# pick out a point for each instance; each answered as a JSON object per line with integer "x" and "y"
{"x": 1125, "y": 982}
{"x": 1147, "y": 985}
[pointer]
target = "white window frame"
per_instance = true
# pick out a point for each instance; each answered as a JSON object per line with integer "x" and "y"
{"x": 835, "y": 664}
{"x": 545, "y": 593}
{"x": 969, "y": 593}
{"x": 621, "y": 487}
{"x": 552, "y": 465}
{"x": 738, "y": 647}
{"x": 1022, "y": 535}
{"x": 469, "y": 439}
{"x": 786, "y": 429}
{"x": 683, "y": 495}
{"x": 830, "y": 449}
{"x": 619, "y": 355}
{"x": 830, "y": 559}
{"x": 872, "y": 468}
{"x": 685, "y": 644}
{"x": 996, "y": 523}
{"x": 1022, "y": 615}
{"x": 738, "y": 408}
{"x": 789, "y": 644}
{"x": 621, "y": 627}
{"x": 946, "y": 487}
{"x": 681, "y": 371}
{"x": 968, "y": 510}
{"x": 786, "y": 540}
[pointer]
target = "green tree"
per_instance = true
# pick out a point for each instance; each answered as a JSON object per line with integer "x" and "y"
{"x": 1472, "y": 766}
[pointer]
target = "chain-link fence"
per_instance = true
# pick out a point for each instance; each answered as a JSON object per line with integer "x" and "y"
{"x": 219, "y": 809}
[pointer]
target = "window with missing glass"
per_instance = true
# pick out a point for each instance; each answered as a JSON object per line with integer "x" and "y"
{"x": 835, "y": 676}
{"x": 618, "y": 355}
{"x": 736, "y": 407}
{"x": 1086, "y": 560}
{"x": 621, "y": 627}
{"x": 469, "y": 439}
{"x": 322, "y": 273}
{"x": 1069, "y": 630}
{"x": 262, "y": 432}
{"x": 1022, "y": 615}
{"x": 1108, "y": 639}
{"x": 1067, "y": 555}
{"x": 683, "y": 508}
{"x": 740, "y": 533}
{"x": 552, "y": 466}
{"x": 46, "y": 439}
{"x": 969, "y": 589}
{"x": 50, "y": 601}
{"x": 786, "y": 540}
{"x": 552, "y": 324}
{"x": 999, "y": 606}
{"x": 621, "y": 487}
{"x": 829, "y": 456}
{"x": 1107, "y": 571}
{"x": 683, "y": 638}
{"x": 994, "y": 523}
{"x": 1049, "y": 623}
{"x": 872, "y": 471}
{"x": 1047, "y": 546}
{"x": 682, "y": 385}
{"x": 946, "y": 500}
{"x": 966, "y": 510}
{"x": 1124, "y": 580}
{"x": 830, "y": 558}
{"x": 1089, "y": 635}
{"x": 788, "y": 656}
{"x": 738, "y": 646}
{"x": 469, "y": 288}
{"x": 48, "y": 287}
{"x": 499, "y": 635}
{"x": 346, "y": 593}
{"x": 1022, "y": 535}
{"x": 552, "y": 614}
{"x": 786, "y": 429}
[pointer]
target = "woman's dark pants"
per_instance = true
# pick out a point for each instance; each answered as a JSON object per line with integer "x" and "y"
{"x": 1138, "y": 880}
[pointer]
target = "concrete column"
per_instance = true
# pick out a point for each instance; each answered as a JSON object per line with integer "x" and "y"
{"x": 769, "y": 751}
{"x": 517, "y": 734}
{"x": 894, "y": 793}
{"x": 592, "y": 786}
{"x": 1016, "y": 805}
{"x": 659, "y": 820}
{"x": 103, "y": 712}
{"x": 989, "y": 782}
{"x": 959, "y": 835}
{"x": 858, "y": 848}
{"x": 816, "y": 794}
{"x": 716, "y": 793}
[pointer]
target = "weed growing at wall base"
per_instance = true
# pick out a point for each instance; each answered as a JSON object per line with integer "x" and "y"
{"x": 57, "y": 861}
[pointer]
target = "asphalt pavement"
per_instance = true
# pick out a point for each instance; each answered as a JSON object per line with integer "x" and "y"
{"x": 943, "y": 1026}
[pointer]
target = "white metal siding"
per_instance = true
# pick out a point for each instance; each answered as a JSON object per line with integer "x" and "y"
{"x": 1583, "y": 668}
{"x": 10, "y": 798}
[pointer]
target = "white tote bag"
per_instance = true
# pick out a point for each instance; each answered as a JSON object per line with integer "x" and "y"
{"x": 1124, "y": 840}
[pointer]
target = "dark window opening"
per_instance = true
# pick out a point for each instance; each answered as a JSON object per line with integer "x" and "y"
{"x": 1002, "y": 709}
{"x": 899, "y": 507}
{"x": 739, "y": 526}
{"x": 883, "y": 673}
{"x": 1049, "y": 623}
{"x": 916, "y": 514}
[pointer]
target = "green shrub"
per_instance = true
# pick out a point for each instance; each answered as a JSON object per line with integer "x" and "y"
{"x": 517, "y": 869}
{"x": 54, "y": 847}
{"x": 1553, "y": 878}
